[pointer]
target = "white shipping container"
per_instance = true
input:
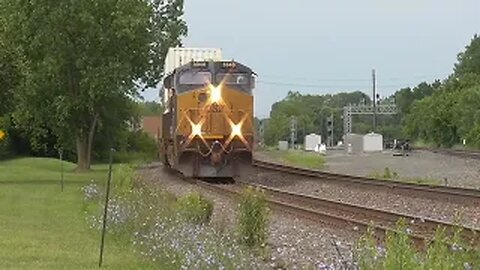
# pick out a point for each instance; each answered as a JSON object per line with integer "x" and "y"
{"x": 312, "y": 141}
{"x": 373, "y": 142}
{"x": 177, "y": 57}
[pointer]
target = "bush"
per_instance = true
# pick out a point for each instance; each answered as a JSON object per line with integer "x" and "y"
{"x": 195, "y": 208}
{"x": 253, "y": 218}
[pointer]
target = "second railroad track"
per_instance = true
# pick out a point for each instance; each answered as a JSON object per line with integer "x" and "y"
{"x": 434, "y": 192}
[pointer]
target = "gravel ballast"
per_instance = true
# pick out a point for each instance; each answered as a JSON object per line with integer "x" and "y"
{"x": 458, "y": 171}
{"x": 343, "y": 192}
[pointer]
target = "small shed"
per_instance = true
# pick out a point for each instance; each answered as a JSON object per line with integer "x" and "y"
{"x": 282, "y": 145}
{"x": 358, "y": 143}
{"x": 312, "y": 141}
{"x": 354, "y": 143}
{"x": 373, "y": 142}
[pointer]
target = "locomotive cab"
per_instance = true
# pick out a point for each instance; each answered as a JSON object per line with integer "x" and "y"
{"x": 207, "y": 127}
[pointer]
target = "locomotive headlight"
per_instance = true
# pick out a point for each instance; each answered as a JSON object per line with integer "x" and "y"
{"x": 196, "y": 129}
{"x": 237, "y": 129}
{"x": 215, "y": 94}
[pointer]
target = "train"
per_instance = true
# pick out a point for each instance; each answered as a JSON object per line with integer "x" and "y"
{"x": 207, "y": 128}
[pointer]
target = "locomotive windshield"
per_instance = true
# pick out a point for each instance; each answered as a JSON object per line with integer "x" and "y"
{"x": 195, "y": 78}
{"x": 232, "y": 78}
{"x": 198, "y": 75}
{"x": 238, "y": 81}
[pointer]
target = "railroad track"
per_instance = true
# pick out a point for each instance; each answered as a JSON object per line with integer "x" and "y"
{"x": 453, "y": 152}
{"x": 440, "y": 193}
{"x": 347, "y": 216}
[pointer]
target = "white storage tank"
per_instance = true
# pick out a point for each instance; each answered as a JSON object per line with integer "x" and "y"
{"x": 283, "y": 145}
{"x": 354, "y": 143}
{"x": 373, "y": 142}
{"x": 312, "y": 142}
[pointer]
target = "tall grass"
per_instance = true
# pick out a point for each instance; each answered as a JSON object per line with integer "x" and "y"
{"x": 195, "y": 208}
{"x": 252, "y": 218}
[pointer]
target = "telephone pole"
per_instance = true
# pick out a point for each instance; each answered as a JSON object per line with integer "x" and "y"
{"x": 374, "y": 100}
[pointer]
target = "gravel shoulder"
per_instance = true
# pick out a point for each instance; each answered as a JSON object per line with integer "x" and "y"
{"x": 293, "y": 243}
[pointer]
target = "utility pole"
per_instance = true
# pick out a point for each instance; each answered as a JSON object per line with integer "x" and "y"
{"x": 293, "y": 131}
{"x": 374, "y": 100}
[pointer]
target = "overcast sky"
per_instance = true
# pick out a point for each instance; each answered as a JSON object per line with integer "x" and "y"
{"x": 318, "y": 46}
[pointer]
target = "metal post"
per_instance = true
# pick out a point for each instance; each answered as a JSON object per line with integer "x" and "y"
{"x": 106, "y": 207}
{"x": 61, "y": 168}
{"x": 331, "y": 131}
{"x": 374, "y": 99}
{"x": 292, "y": 131}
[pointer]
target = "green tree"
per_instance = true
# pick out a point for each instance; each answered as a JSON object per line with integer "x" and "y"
{"x": 469, "y": 60}
{"x": 469, "y": 116}
{"x": 85, "y": 60}
{"x": 150, "y": 108}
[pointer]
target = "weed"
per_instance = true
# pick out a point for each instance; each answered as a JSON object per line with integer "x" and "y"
{"x": 443, "y": 252}
{"x": 253, "y": 218}
{"x": 123, "y": 178}
{"x": 368, "y": 254}
{"x": 388, "y": 174}
{"x": 400, "y": 253}
{"x": 195, "y": 208}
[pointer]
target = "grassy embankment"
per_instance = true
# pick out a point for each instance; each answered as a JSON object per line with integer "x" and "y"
{"x": 44, "y": 228}
{"x": 297, "y": 158}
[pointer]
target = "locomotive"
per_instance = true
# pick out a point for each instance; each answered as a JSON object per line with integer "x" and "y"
{"x": 207, "y": 126}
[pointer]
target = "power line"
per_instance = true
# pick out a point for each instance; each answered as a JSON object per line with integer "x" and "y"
{"x": 317, "y": 80}
{"x": 360, "y": 86}
{"x": 417, "y": 77}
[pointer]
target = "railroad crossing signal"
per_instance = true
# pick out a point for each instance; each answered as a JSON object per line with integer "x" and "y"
{"x": 2, "y": 135}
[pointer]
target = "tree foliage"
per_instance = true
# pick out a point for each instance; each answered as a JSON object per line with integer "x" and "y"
{"x": 310, "y": 112}
{"x": 83, "y": 62}
{"x": 452, "y": 113}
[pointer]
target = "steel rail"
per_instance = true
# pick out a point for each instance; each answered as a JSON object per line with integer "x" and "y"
{"x": 344, "y": 215}
{"x": 474, "y": 154}
{"x": 434, "y": 192}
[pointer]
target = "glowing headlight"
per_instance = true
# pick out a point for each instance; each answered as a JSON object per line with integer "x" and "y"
{"x": 215, "y": 94}
{"x": 196, "y": 129}
{"x": 237, "y": 130}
